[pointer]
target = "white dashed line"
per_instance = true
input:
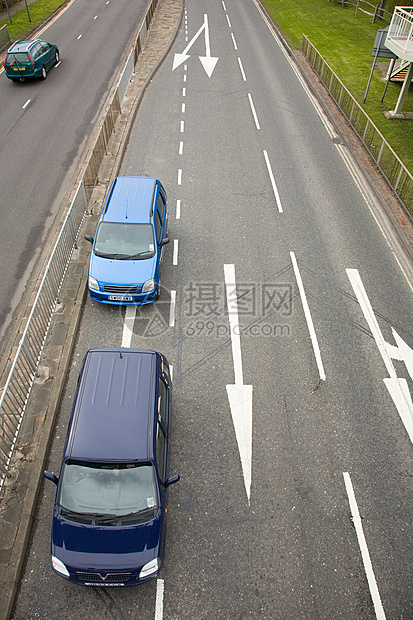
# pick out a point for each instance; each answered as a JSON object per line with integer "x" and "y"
{"x": 172, "y": 310}
{"x": 178, "y": 209}
{"x": 26, "y": 104}
{"x": 179, "y": 176}
{"x": 234, "y": 41}
{"x": 242, "y": 70}
{"x": 175, "y": 256}
{"x": 181, "y": 147}
{"x": 274, "y": 186}
{"x": 254, "y": 112}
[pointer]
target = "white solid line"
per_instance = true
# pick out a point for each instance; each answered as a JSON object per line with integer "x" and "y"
{"x": 229, "y": 23}
{"x": 182, "y": 126}
{"x": 178, "y": 209}
{"x": 130, "y": 315}
{"x": 172, "y": 309}
{"x": 254, "y": 112}
{"x": 26, "y": 104}
{"x": 171, "y": 371}
{"x": 181, "y": 147}
{"x": 360, "y": 291}
{"x": 179, "y": 176}
{"x": 175, "y": 255}
{"x": 374, "y": 591}
{"x": 242, "y": 70}
{"x": 232, "y": 305}
{"x": 159, "y": 599}
{"x": 309, "y": 320}
{"x": 274, "y": 186}
{"x": 234, "y": 41}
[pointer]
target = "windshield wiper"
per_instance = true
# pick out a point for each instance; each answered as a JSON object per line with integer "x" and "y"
{"x": 133, "y": 256}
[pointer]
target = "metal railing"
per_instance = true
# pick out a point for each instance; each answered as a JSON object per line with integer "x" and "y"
{"x": 21, "y": 376}
{"x": 20, "y": 380}
{"x": 389, "y": 164}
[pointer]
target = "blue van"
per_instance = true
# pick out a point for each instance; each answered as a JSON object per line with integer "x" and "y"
{"x": 127, "y": 251}
{"x": 109, "y": 517}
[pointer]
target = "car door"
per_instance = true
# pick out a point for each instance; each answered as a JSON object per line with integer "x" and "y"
{"x": 162, "y": 440}
{"x": 47, "y": 55}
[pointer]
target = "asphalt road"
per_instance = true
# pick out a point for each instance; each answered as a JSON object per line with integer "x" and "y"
{"x": 44, "y": 126}
{"x": 264, "y": 522}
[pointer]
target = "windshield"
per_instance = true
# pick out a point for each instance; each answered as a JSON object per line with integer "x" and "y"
{"x": 125, "y": 241}
{"x": 107, "y": 493}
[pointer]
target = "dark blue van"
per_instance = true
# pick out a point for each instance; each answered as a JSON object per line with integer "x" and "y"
{"x": 128, "y": 246}
{"x": 109, "y": 517}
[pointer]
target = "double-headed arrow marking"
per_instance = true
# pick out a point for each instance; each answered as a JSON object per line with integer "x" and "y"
{"x": 239, "y": 395}
{"x": 208, "y": 61}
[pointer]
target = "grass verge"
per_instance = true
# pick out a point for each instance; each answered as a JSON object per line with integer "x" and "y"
{"x": 39, "y": 11}
{"x": 345, "y": 40}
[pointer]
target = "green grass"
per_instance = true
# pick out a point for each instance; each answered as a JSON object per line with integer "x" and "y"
{"x": 345, "y": 40}
{"x": 21, "y": 27}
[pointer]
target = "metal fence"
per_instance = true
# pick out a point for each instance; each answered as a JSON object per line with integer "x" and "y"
{"x": 389, "y": 164}
{"x": 4, "y": 37}
{"x": 20, "y": 379}
{"x": 19, "y": 382}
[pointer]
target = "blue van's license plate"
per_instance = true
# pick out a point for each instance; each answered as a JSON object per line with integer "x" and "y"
{"x": 120, "y": 298}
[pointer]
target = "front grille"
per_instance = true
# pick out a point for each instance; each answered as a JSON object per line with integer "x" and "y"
{"x": 120, "y": 290}
{"x": 110, "y": 577}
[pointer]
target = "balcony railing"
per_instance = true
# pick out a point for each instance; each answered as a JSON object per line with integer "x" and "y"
{"x": 400, "y": 37}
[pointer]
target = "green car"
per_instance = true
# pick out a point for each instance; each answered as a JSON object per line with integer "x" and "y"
{"x": 30, "y": 59}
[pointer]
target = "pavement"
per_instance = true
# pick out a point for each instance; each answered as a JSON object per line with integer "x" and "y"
{"x": 20, "y": 492}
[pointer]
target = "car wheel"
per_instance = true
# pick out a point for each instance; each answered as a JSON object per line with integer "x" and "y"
{"x": 44, "y": 73}
{"x": 56, "y": 58}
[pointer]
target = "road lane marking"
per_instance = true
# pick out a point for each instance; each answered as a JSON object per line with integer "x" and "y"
{"x": 239, "y": 395}
{"x": 182, "y": 126}
{"x": 234, "y": 41}
{"x": 179, "y": 176}
{"x": 228, "y": 21}
{"x": 242, "y": 70}
{"x": 184, "y": 92}
{"x": 178, "y": 209}
{"x": 175, "y": 255}
{"x": 254, "y": 112}
{"x": 79, "y": 37}
{"x": 273, "y": 183}
{"x": 181, "y": 147}
{"x": 128, "y": 324}
{"x": 159, "y": 599}
{"x": 172, "y": 309}
{"x": 374, "y": 591}
{"x": 397, "y": 387}
{"x": 183, "y": 108}
{"x": 309, "y": 320}
{"x": 26, "y": 104}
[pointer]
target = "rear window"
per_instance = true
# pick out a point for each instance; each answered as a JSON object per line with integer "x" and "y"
{"x": 18, "y": 57}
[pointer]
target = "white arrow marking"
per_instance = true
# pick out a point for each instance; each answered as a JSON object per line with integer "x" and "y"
{"x": 398, "y": 388}
{"x": 239, "y": 395}
{"x": 208, "y": 61}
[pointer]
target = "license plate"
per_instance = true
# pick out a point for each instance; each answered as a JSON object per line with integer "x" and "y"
{"x": 120, "y": 298}
{"x": 19, "y": 68}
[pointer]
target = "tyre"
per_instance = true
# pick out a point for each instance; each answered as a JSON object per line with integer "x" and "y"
{"x": 56, "y": 58}
{"x": 44, "y": 73}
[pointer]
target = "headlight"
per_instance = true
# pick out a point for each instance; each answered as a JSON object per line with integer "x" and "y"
{"x": 93, "y": 283}
{"x": 149, "y": 568}
{"x": 149, "y": 285}
{"x": 60, "y": 567}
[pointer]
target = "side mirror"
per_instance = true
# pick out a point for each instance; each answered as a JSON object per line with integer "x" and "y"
{"x": 89, "y": 238}
{"x": 49, "y": 476}
{"x": 171, "y": 480}
{"x": 164, "y": 241}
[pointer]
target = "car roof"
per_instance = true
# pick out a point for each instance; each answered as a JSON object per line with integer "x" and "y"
{"x": 22, "y": 46}
{"x": 130, "y": 199}
{"x": 113, "y": 411}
